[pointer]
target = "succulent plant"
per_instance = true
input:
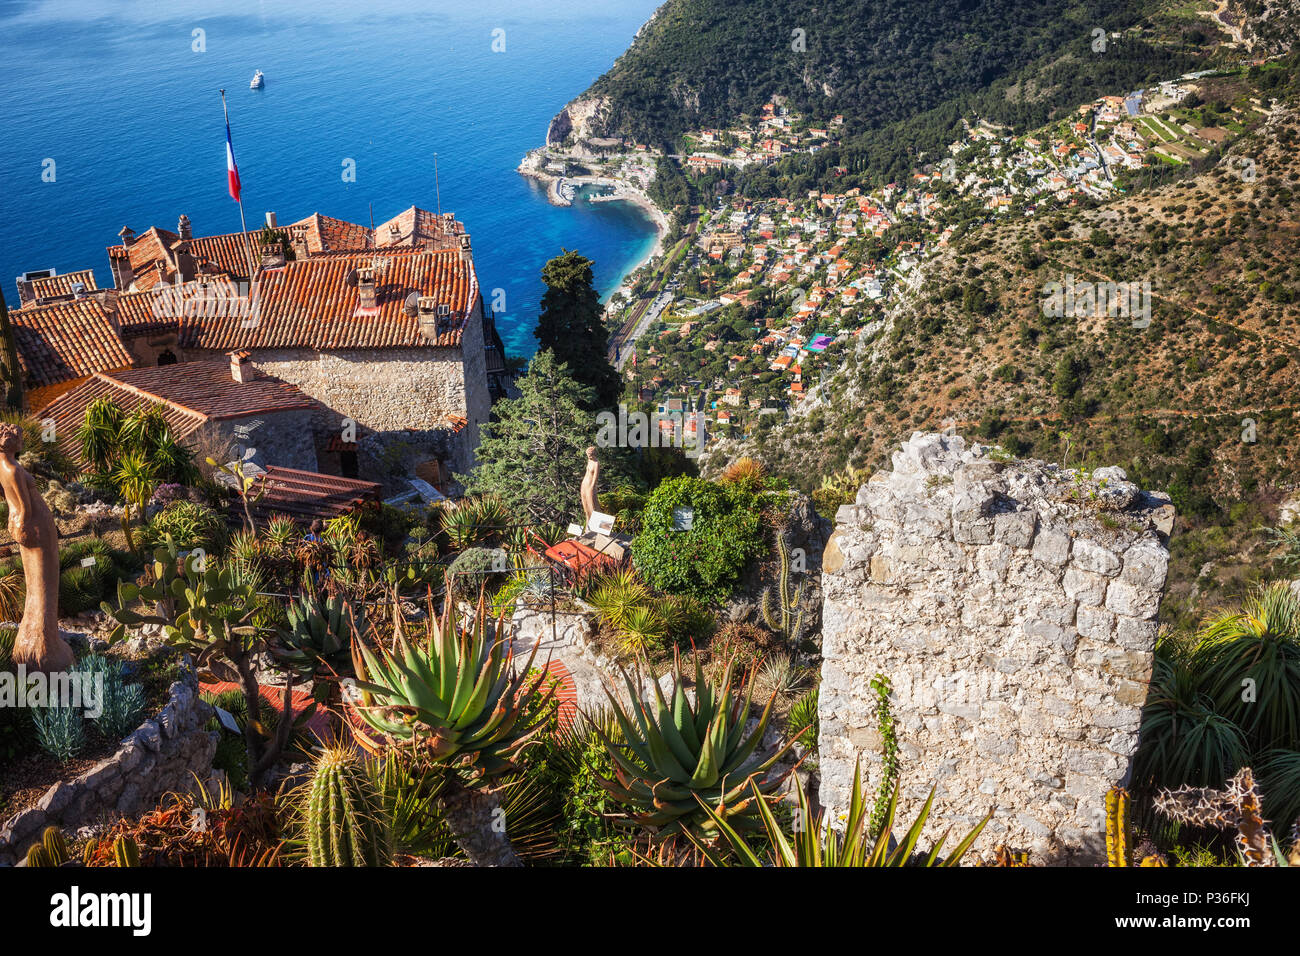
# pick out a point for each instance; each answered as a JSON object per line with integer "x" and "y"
{"x": 126, "y": 852}
{"x": 51, "y": 851}
{"x": 818, "y": 843}
{"x": 345, "y": 821}
{"x": 781, "y": 606}
{"x": 318, "y": 639}
{"x": 684, "y": 757}
{"x": 454, "y": 698}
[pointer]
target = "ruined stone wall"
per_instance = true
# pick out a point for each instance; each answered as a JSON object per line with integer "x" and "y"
{"x": 1012, "y": 605}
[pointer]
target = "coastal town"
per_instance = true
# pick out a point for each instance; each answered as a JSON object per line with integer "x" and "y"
{"x": 755, "y": 301}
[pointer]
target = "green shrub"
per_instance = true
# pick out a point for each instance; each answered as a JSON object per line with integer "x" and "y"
{"x": 477, "y": 568}
{"x": 706, "y": 560}
{"x": 191, "y": 526}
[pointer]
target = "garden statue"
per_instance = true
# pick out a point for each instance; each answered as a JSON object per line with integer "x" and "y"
{"x": 31, "y": 523}
{"x": 588, "y": 491}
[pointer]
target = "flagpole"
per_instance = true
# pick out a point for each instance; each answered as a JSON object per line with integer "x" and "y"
{"x": 243, "y": 226}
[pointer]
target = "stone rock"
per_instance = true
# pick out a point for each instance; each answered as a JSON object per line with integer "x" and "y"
{"x": 1018, "y": 638}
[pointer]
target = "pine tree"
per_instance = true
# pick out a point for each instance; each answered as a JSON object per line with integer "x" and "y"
{"x": 533, "y": 453}
{"x": 570, "y": 325}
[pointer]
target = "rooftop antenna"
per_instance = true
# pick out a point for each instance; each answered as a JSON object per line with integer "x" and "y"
{"x": 372, "y": 217}
{"x": 436, "y": 187}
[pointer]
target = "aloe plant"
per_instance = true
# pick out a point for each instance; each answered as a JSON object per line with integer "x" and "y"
{"x": 456, "y": 701}
{"x": 817, "y": 843}
{"x": 682, "y": 757}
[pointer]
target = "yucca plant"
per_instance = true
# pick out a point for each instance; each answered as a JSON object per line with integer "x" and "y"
{"x": 460, "y": 525}
{"x": 1256, "y": 649}
{"x": 13, "y": 593}
{"x": 455, "y": 700}
{"x": 281, "y": 534}
{"x": 616, "y": 593}
{"x": 817, "y": 843}
{"x": 643, "y": 629}
{"x": 680, "y": 756}
{"x": 802, "y": 719}
{"x": 1184, "y": 739}
{"x": 744, "y": 471}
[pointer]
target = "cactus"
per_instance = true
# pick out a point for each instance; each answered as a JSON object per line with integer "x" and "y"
{"x": 126, "y": 852}
{"x": 346, "y": 825}
{"x": 51, "y": 851}
{"x": 1118, "y": 852}
{"x": 789, "y": 622}
{"x": 1239, "y": 805}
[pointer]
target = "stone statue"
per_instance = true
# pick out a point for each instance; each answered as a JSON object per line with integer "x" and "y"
{"x": 588, "y": 490}
{"x": 31, "y": 524}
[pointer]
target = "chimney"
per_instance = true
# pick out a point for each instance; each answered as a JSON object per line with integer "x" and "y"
{"x": 160, "y": 266}
{"x": 183, "y": 228}
{"x": 366, "y": 288}
{"x": 298, "y": 240}
{"x": 272, "y": 255}
{"x": 127, "y": 235}
{"x": 270, "y": 221}
{"x": 184, "y": 260}
{"x": 394, "y": 234}
{"x": 466, "y": 256}
{"x": 427, "y": 317}
{"x": 241, "y": 367}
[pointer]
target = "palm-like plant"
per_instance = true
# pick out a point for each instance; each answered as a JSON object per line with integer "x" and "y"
{"x": 1258, "y": 649}
{"x": 817, "y": 843}
{"x": 680, "y": 756}
{"x": 135, "y": 479}
{"x": 643, "y": 630}
{"x": 1184, "y": 738}
{"x": 456, "y": 701}
{"x": 617, "y": 593}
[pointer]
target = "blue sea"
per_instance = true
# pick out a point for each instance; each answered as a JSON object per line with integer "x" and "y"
{"x": 122, "y": 97}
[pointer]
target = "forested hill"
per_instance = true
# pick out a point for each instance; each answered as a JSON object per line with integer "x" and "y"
{"x": 901, "y": 72}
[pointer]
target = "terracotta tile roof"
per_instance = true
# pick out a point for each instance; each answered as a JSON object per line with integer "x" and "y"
{"x": 67, "y": 340}
{"x": 52, "y": 286}
{"x": 310, "y": 304}
{"x": 229, "y": 254}
{"x": 309, "y": 494}
{"x": 420, "y": 228}
{"x": 190, "y": 394}
{"x": 160, "y": 307}
{"x": 148, "y": 249}
{"x": 327, "y": 234}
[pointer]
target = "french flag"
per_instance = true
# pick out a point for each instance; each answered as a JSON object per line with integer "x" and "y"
{"x": 232, "y": 171}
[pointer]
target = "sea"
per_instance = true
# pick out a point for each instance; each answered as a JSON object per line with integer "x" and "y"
{"x": 112, "y": 117}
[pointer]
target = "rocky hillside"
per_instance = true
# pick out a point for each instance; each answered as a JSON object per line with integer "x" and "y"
{"x": 1203, "y": 402}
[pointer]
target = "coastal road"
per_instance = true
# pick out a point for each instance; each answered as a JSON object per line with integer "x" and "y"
{"x": 648, "y": 318}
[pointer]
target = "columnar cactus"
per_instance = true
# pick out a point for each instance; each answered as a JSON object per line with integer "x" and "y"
{"x": 345, "y": 821}
{"x": 789, "y": 621}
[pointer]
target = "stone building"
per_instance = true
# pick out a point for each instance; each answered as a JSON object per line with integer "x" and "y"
{"x": 209, "y": 406}
{"x": 1013, "y": 607}
{"x": 383, "y": 328}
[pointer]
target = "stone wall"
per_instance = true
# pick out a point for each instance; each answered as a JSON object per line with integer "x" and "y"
{"x": 277, "y": 438}
{"x": 1013, "y": 606}
{"x": 157, "y": 758}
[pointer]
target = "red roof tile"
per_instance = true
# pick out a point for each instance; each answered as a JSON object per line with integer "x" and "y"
{"x": 52, "y": 286}
{"x": 190, "y": 394}
{"x": 310, "y": 304}
{"x": 66, "y": 340}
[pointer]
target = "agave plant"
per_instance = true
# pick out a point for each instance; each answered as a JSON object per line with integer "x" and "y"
{"x": 681, "y": 757}
{"x": 317, "y": 641}
{"x": 817, "y": 843}
{"x": 455, "y": 700}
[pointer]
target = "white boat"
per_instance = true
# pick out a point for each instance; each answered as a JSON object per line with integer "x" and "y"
{"x": 257, "y": 81}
